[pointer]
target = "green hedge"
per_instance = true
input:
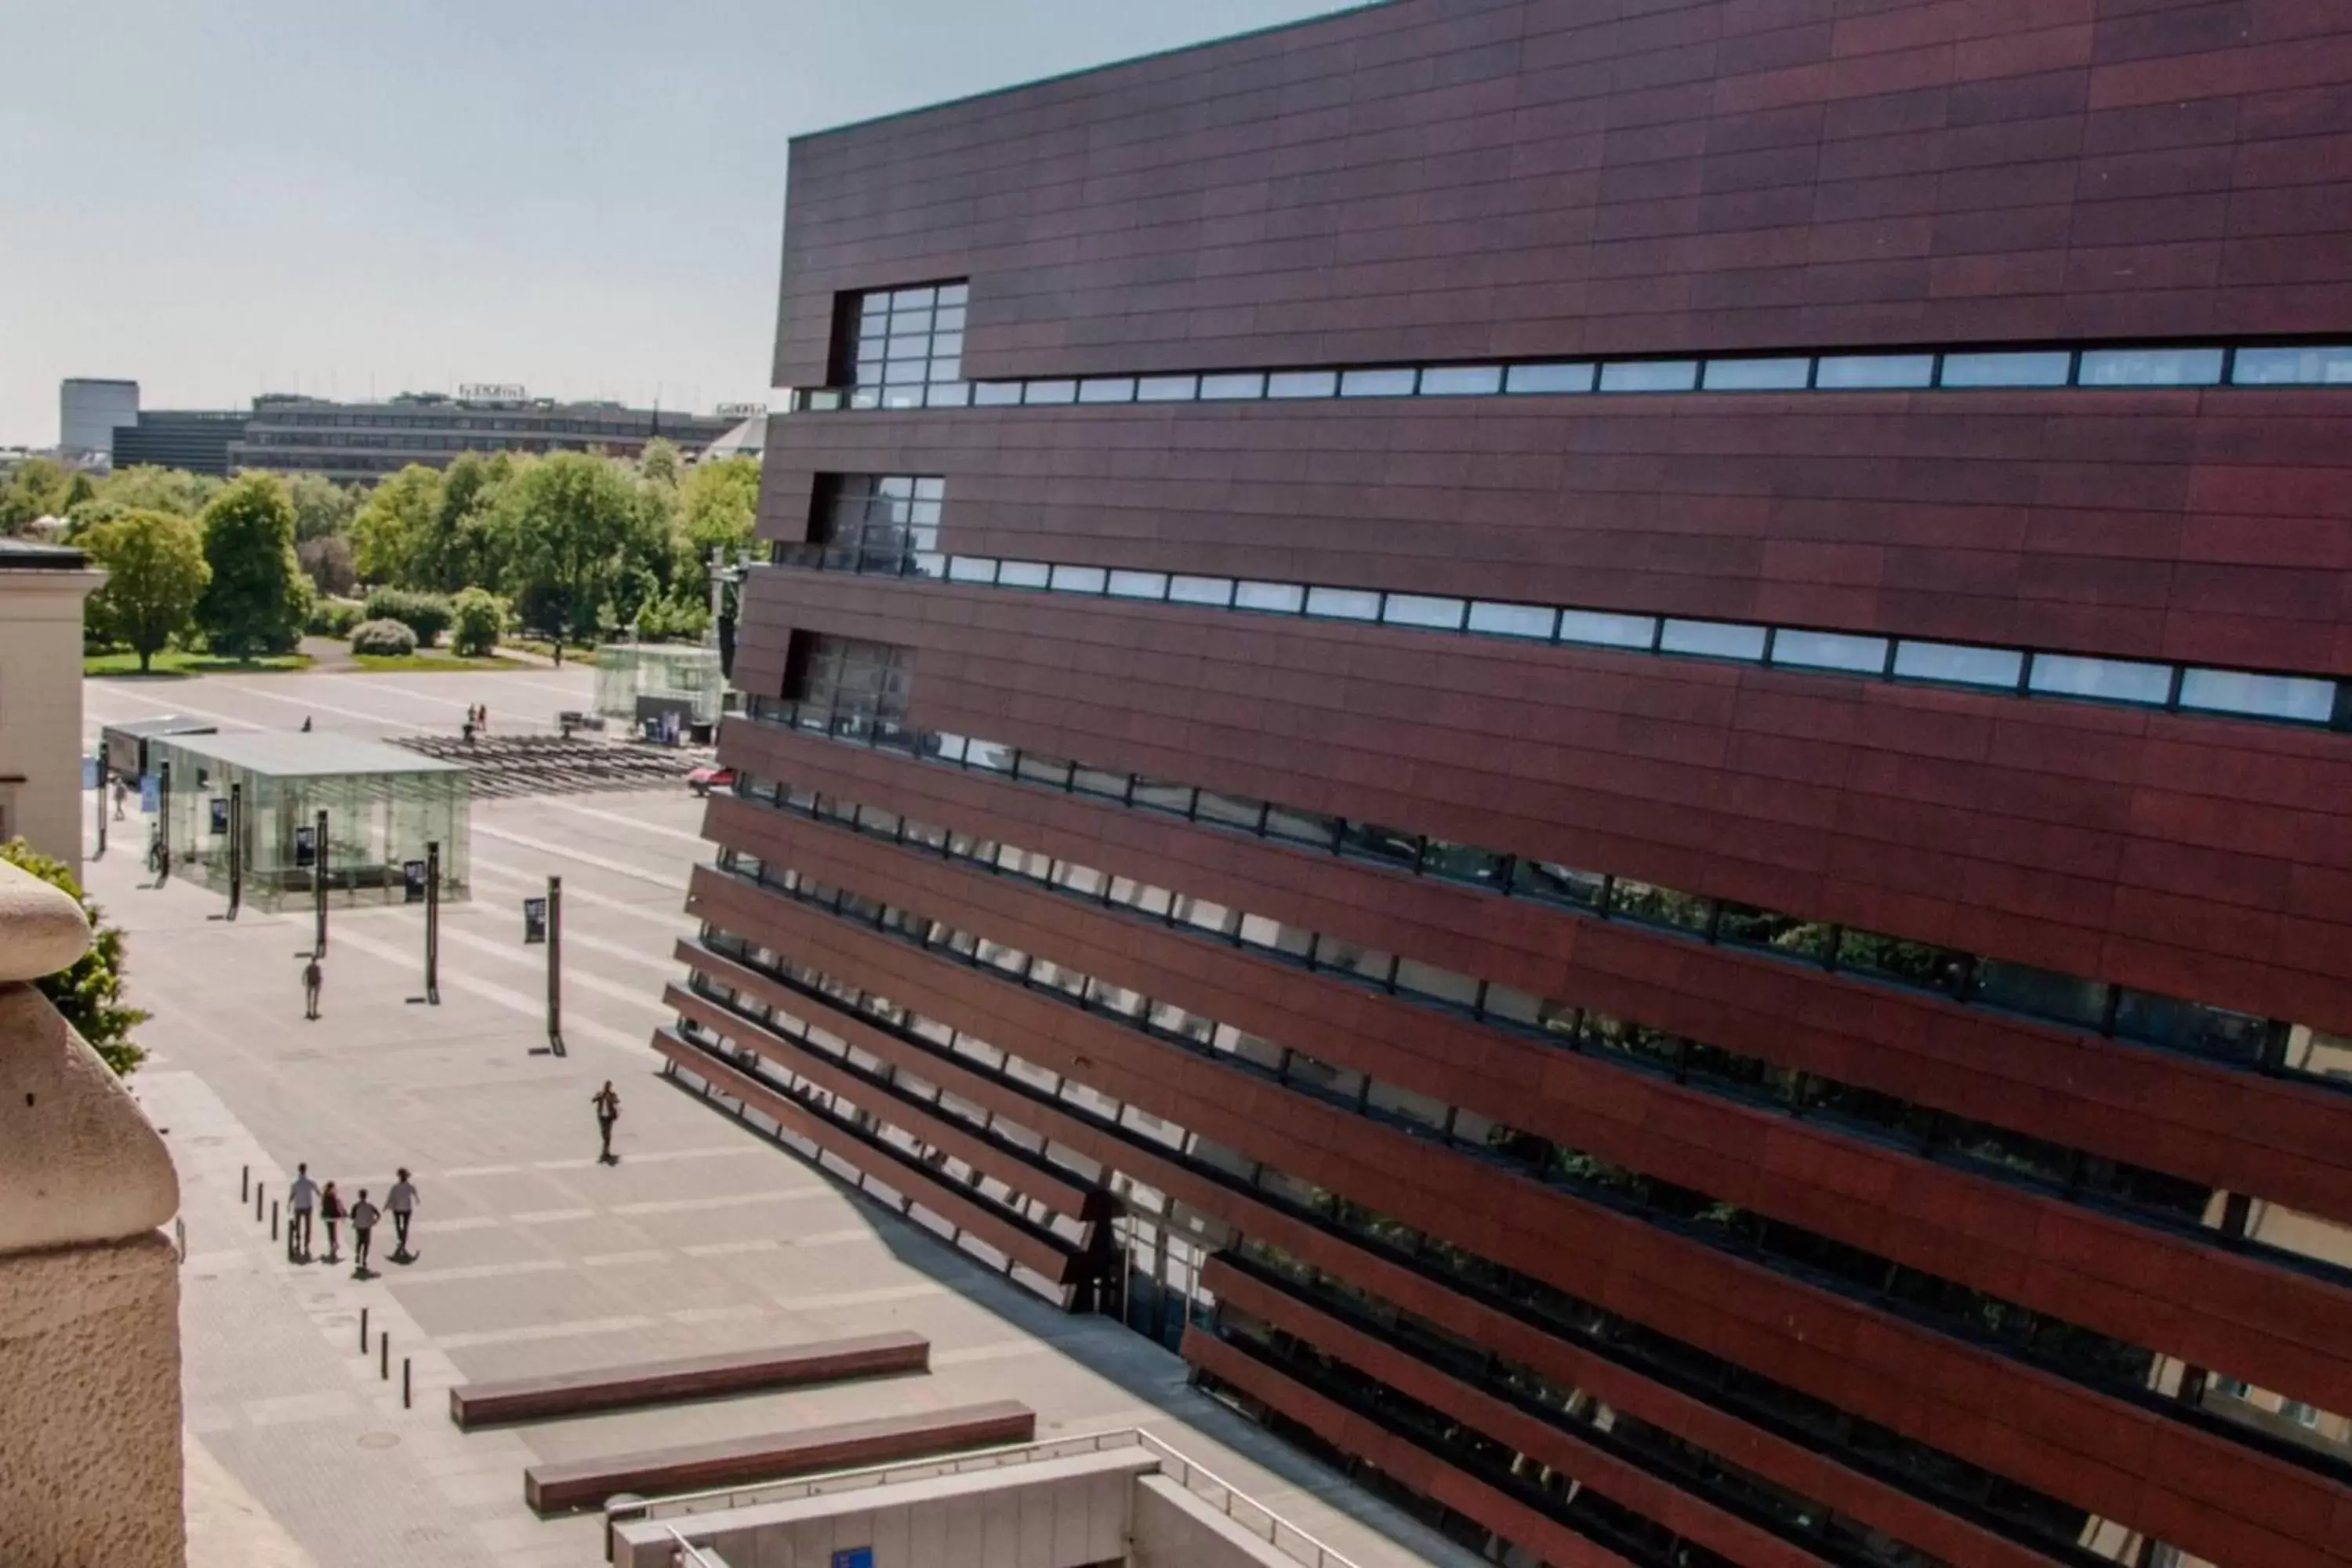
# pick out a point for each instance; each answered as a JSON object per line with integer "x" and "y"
{"x": 427, "y": 615}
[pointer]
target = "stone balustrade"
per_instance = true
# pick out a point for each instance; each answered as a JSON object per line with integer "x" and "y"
{"x": 89, "y": 1291}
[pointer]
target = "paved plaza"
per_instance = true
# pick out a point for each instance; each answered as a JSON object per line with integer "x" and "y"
{"x": 530, "y": 1256}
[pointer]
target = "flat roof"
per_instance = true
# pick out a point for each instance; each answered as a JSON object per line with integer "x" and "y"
{"x": 177, "y": 724}
{"x": 284, "y": 754}
{"x": 24, "y": 555}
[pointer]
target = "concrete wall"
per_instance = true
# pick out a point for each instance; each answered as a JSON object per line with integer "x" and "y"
{"x": 89, "y": 1405}
{"x": 1174, "y": 1529}
{"x": 40, "y": 709}
{"x": 1053, "y": 1513}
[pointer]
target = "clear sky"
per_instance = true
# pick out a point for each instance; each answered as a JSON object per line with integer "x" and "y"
{"x": 221, "y": 198}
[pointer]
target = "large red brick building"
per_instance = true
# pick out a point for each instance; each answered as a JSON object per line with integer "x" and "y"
{"x": 1609, "y": 743}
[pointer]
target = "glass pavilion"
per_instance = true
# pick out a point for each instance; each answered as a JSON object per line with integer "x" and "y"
{"x": 384, "y": 806}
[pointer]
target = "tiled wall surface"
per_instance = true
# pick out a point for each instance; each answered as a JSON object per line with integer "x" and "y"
{"x": 1479, "y": 180}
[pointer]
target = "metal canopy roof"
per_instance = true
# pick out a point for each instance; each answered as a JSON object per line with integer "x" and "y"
{"x": 292, "y": 754}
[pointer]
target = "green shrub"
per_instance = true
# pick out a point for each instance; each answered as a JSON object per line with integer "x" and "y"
{"x": 90, "y": 992}
{"x": 427, "y": 615}
{"x": 388, "y": 639}
{"x": 333, "y": 618}
{"x": 478, "y": 618}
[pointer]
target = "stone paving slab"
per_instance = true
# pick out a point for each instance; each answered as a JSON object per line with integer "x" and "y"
{"x": 534, "y": 1258}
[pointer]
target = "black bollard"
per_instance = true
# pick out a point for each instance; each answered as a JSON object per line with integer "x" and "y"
{"x": 273, "y": 1219}
{"x": 384, "y": 1355}
{"x": 243, "y": 1183}
{"x": 404, "y": 1383}
{"x": 363, "y": 1331}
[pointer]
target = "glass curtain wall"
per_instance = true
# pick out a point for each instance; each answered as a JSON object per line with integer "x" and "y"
{"x": 681, "y": 672}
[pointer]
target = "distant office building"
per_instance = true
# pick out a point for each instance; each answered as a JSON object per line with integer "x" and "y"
{"x": 365, "y": 441}
{"x": 196, "y": 439}
{"x": 747, "y": 439}
{"x": 89, "y": 410}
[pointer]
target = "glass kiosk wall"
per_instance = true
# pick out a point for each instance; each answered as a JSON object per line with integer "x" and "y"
{"x": 384, "y": 805}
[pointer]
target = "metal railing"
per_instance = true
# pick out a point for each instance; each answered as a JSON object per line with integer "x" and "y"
{"x": 1201, "y": 1482}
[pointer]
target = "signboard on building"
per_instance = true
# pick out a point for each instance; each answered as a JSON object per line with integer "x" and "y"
{"x": 854, "y": 1557}
{"x": 741, "y": 410}
{"x": 492, "y": 392}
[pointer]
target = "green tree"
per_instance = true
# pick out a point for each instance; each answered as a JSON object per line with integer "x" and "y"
{"x": 321, "y": 507}
{"x": 577, "y": 541}
{"x": 259, "y": 598}
{"x": 327, "y": 561}
{"x": 156, "y": 577}
{"x": 36, "y": 489}
{"x": 717, "y": 503}
{"x": 478, "y": 618}
{"x": 145, "y": 487}
{"x": 659, "y": 462}
{"x": 90, "y": 992}
{"x": 461, "y": 554}
{"x": 394, "y": 529}
{"x": 428, "y": 529}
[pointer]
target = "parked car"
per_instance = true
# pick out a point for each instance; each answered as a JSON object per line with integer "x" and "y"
{"x": 702, "y": 781}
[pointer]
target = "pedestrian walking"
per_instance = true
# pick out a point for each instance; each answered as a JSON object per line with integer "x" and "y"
{"x": 120, "y": 792}
{"x": 402, "y": 1202}
{"x": 313, "y": 976}
{"x": 608, "y": 1111}
{"x": 304, "y": 1198}
{"x": 363, "y": 1217}
{"x": 330, "y": 1209}
{"x": 306, "y": 723}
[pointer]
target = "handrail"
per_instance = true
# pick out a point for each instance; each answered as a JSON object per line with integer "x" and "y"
{"x": 689, "y": 1555}
{"x": 1194, "y": 1477}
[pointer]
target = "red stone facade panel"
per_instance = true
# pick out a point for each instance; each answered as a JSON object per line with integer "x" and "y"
{"x": 1451, "y": 178}
{"x": 2083, "y": 1445}
{"x": 1503, "y": 182}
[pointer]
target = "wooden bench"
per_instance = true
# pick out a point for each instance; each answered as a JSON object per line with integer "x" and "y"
{"x": 695, "y": 1377}
{"x": 587, "y": 1483}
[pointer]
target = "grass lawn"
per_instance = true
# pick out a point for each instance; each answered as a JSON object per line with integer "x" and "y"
{"x": 177, "y": 661}
{"x": 432, "y": 658}
{"x": 573, "y": 653}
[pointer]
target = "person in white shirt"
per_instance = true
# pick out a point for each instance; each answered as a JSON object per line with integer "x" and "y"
{"x": 363, "y": 1217}
{"x": 402, "y": 1202}
{"x": 305, "y": 1198}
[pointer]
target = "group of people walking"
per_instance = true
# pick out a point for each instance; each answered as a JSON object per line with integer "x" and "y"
{"x": 309, "y": 1199}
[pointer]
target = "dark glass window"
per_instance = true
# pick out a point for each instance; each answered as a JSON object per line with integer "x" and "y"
{"x": 1653, "y": 905}
{"x": 1561, "y": 884}
{"x": 1649, "y": 375}
{"x": 899, "y": 340}
{"x": 2150, "y": 367}
{"x": 1747, "y": 926}
{"x": 2042, "y": 367}
{"x": 2041, "y": 993}
{"x": 875, "y": 522}
{"x": 1755, "y": 374}
{"x": 859, "y": 684}
{"x": 2191, "y": 1027}
{"x": 1906, "y": 963}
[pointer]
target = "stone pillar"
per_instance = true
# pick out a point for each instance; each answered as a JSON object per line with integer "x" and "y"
{"x": 89, "y": 1286}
